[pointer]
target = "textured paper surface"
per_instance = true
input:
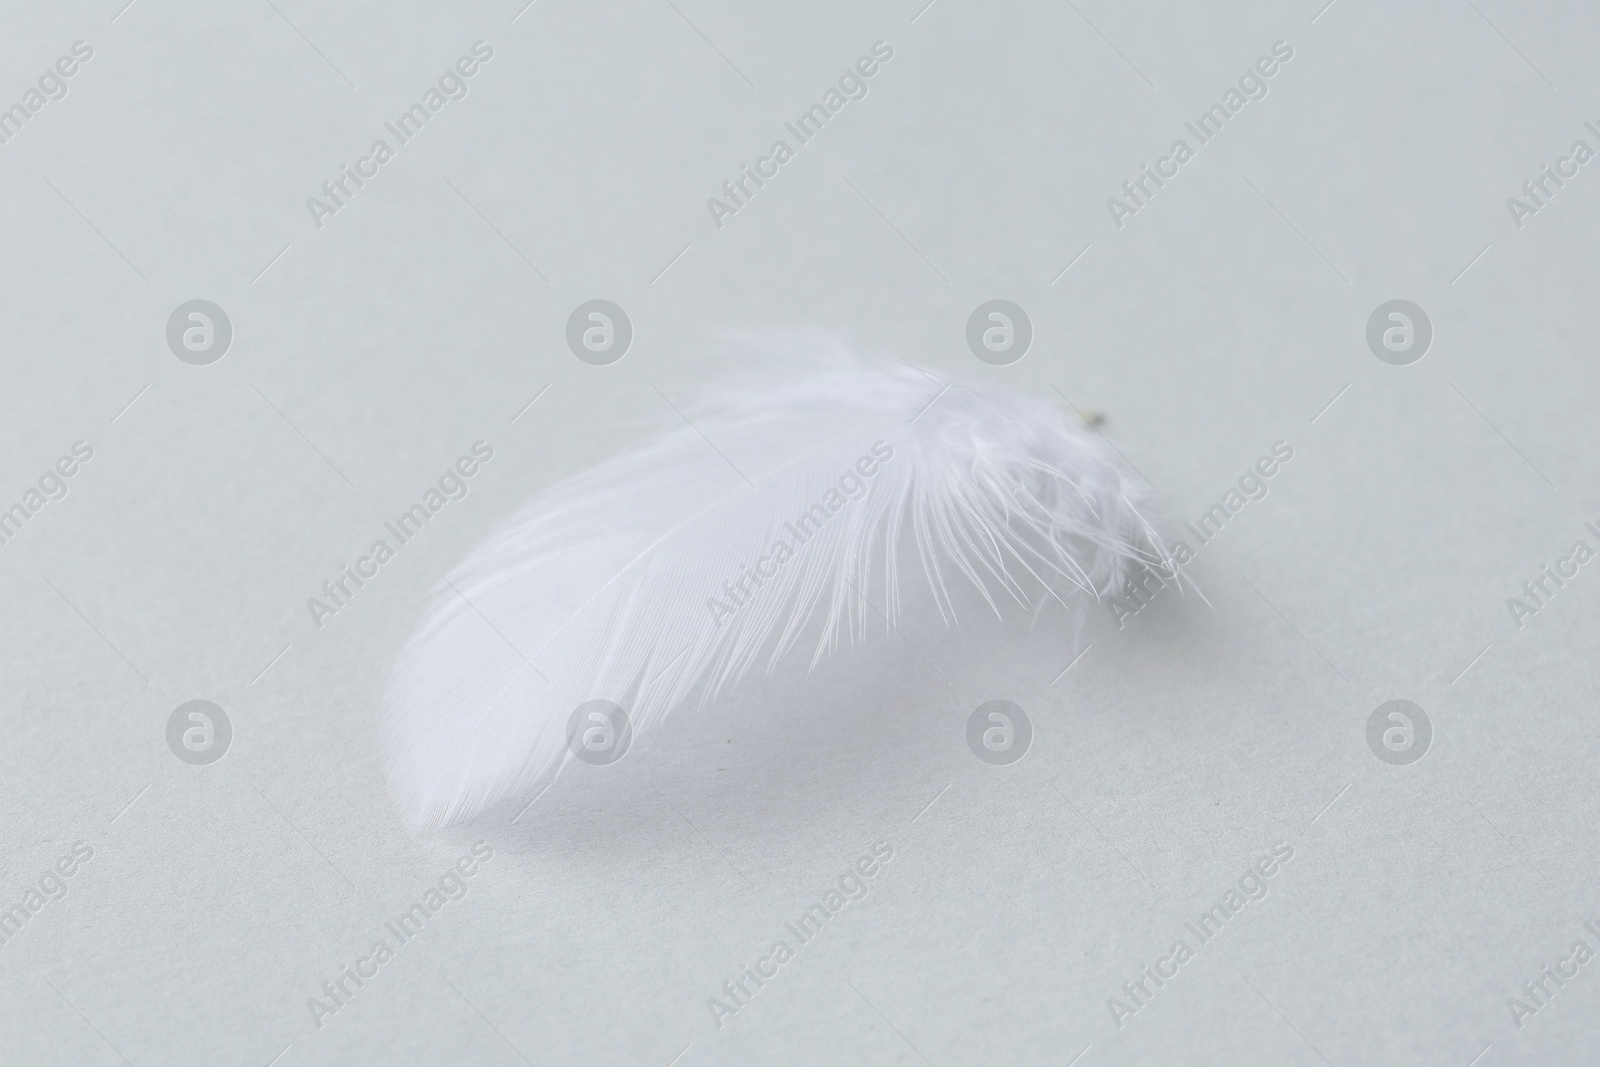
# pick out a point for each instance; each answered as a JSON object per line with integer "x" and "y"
{"x": 1228, "y": 313}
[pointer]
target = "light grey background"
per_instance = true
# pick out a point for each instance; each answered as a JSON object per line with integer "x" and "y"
{"x": 370, "y": 353}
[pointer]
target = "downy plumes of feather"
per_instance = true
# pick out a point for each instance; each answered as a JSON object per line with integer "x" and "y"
{"x": 658, "y": 574}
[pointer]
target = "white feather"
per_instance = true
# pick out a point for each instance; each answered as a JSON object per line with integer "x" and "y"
{"x": 607, "y": 586}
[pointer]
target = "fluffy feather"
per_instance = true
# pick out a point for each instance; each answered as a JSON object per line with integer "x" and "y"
{"x": 658, "y": 573}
